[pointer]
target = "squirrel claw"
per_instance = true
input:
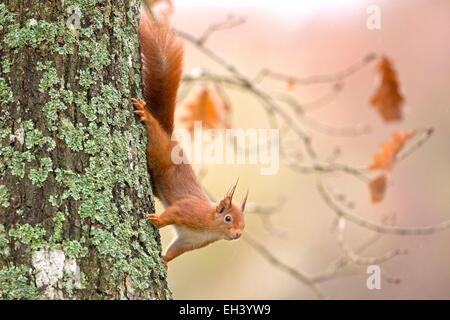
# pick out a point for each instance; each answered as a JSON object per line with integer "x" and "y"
{"x": 139, "y": 104}
{"x": 140, "y": 111}
{"x": 154, "y": 219}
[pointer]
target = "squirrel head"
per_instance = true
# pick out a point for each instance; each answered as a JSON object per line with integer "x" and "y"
{"x": 230, "y": 216}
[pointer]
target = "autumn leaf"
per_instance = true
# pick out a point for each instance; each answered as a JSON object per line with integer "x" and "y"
{"x": 209, "y": 108}
{"x": 377, "y": 188}
{"x": 385, "y": 159}
{"x": 387, "y": 98}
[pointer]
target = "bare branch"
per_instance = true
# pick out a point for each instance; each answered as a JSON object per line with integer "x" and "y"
{"x": 425, "y": 134}
{"x": 265, "y": 214}
{"x": 316, "y": 79}
{"x": 299, "y": 275}
{"x": 376, "y": 226}
{"x": 229, "y": 22}
{"x": 320, "y": 126}
{"x": 355, "y": 258}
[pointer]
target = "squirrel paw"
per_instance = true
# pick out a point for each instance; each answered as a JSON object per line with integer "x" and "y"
{"x": 139, "y": 106}
{"x": 154, "y": 219}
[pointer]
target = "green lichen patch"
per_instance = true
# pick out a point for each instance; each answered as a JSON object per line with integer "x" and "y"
{"x": 15, "y": 283}
{"x": 40, "y": 174}
{"x": 49, "y": 77}
{"x": 5, "y": 16}
{"x": 97, "y": 52}
{"x": 74, "y": 249}
{"x": 35, "y": 138}
{"x": 4, "y": 196}
{"x": 6, "y": 94}
{"x": 32, "y": 236}
{"x": 59, "y": 96}
{"x": 14, "y": 160}
{"x": 57, "y": 234}
{"x": 4, "y": 242}
{"x": 73, "y": 136}
{"x": 85, "y": 78}
{"x": 51, "y": 110}
{"x": 40, "y": 34}
{"x": 6, "y": 65}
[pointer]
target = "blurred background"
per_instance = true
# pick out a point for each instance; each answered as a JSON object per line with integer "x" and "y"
{"x": 304, "y": 38}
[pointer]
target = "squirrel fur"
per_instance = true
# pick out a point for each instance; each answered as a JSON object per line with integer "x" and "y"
{"x": 197, "y": 221}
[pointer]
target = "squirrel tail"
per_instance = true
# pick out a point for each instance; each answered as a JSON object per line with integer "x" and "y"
{"x": 162, "y": 64}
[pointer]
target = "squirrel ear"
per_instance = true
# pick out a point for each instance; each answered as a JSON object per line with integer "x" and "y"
{"x": 223, "y": 204}
{"x": 244, "y": 202}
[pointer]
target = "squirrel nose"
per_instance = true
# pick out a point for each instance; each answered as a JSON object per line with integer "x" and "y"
{"x": 237, "y": 235}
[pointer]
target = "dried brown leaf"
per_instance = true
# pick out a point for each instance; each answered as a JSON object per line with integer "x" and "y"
{"x": 385, "y": 159}
{"x": 209, "y": 108}
{"x": 387, "y": 98}
{"x": 377, "y": 188}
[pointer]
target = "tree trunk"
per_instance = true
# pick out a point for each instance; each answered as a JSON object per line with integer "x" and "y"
{"x": 74, "y": 188}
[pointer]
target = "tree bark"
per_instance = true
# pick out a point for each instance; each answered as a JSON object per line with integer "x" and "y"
{"x": 74, "y": 187}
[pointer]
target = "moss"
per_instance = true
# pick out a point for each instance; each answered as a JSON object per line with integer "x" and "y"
{"x": 15, "y": 283}
{"x": 32, "y": 236}
{"x": 39, "y": 175}
{"x": 4, "y": 196}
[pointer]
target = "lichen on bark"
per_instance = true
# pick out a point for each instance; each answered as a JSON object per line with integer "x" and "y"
{"x": 74, "y": 187}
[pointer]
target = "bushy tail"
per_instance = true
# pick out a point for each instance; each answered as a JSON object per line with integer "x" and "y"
{"x": 162, "y": 60}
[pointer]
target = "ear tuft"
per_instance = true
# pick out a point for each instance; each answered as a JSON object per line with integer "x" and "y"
{"x": 245, "y": 201}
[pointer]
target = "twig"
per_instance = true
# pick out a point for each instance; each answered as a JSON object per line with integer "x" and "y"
{"x": 316, "y": 79}
{"x": 376, "y": 226}
{"x": 355, "y": 258}
{"x": 299, "y": 275}
{"x": 320, "y": 126}
{"x": 425, "y": 134}
{"x": 265, "y": 213}
{"x": 229, "y": 22}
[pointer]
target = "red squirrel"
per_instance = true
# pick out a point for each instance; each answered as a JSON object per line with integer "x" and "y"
{"x": 197, "y": 221}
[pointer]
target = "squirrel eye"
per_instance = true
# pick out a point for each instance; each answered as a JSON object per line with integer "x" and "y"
{"x": 228, "y": 218}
